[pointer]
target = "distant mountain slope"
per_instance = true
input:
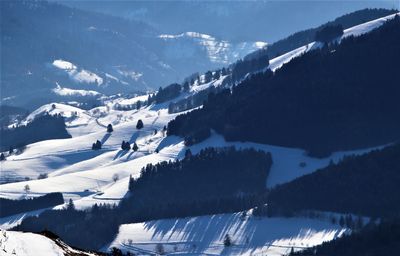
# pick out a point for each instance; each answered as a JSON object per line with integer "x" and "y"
{"x": 334, "y": 98}
{"x": 234, "y": 21}
{"x": 307, "y": 36}
{"x": 46, "y": 46}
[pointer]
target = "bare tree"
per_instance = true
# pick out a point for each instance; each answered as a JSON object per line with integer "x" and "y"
{"x": 115, "y": 177}
{"x": 27, "y": 189}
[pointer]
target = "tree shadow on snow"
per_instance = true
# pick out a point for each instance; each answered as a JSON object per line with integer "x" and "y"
{"x": 105, "y": 138}
{"x": 250, "y": 233}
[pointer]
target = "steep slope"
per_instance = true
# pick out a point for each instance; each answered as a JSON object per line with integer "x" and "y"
{"x": 305, "y": 37}
{"x": 314, "y": 102}
{"x": 371, "y": 180}
{"x": 30, "y": 244}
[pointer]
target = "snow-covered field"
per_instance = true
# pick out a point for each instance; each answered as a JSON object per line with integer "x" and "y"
{"x": 88, "y": 176}
{"x": 29, "y": 244}
{"x": 204, "y": 235}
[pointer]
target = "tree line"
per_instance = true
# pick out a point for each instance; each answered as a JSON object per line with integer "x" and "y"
{"x": 10, "y": 207}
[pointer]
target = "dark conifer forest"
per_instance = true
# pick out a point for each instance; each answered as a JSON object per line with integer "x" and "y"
{"x": 366, "y": 185}
{"x": 339, "y": 97}
{"x": 10, "y": 207}
{"x": 44, "y": 127}
{"x": 167, "y": 190}
{"x": 376, "y": 240}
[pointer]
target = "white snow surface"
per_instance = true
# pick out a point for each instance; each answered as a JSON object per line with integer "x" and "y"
{"x": 218, "y": 51}
{"x": 204, "y": 235}
{"x": 30, "y": 244}
{"x": 63, "y": 91}
{"x": 76, "y": 74}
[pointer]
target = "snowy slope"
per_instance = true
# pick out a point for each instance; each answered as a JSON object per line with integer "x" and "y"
{"x": 24, "y": 244}
{"x": 77, "y": 75}
{"x": 218, "y": 51}
{"x": 63, "y": 91}
{"x": 30, "y": 244}
{"x": 204, "y": 235}
{"x": 358, "y": 30}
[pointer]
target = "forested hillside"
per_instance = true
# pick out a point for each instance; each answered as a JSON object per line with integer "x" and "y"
{"x": 339, "y": 97}
{"x": 214, "y": 181}
{"x": 44, "y": 127}
{"x": 364, "y": 185}
{"x": 381, "y": 240}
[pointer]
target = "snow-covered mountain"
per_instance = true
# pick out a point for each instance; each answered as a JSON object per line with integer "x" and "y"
{"x": 47, "y": 45}
{"x": 88, "y": 177}
{"x": 186, "y": 45}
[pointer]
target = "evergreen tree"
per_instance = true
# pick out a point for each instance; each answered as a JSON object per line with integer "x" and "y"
{"x": 138, "y": 105}
{"x": 116, "y": 252}
{"x": 216, "y": 75}
{"x": 70, "y": 205}
{"x": 188, "y": 153}
{"x": 227, "y": 241}
{"x": 139, "y": 124}
{"x": 224, "y": 72}
{"x": 207, "y": 77}
{"x": 96, "y": 145}
{"x": 125, "y": 145}
{"x": 11, "y": 150}
{"x": 109, "y": 128}
{"x": 135, "y": 147}
{"x": 2, "y": 157}
{"x": 131, "y": 183}
{"x": 186, "y": 86}
{"x": 341, "y": 221}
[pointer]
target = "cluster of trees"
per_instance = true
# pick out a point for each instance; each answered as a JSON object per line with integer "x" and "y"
{"x": 136, "y": 105}
{"x": 328, "y": 33}
{"x": 364, "y": 185}
{"x": 96, "y": 145}
{"x": 197, "y": 136}
{"x": 249, "y": 65}
{"x": 164, "y": 94}
{"x": 127, "y": 146}
{"x": 44, "y": 127}
{"x": 326, "y": 100}
{"x": 10, "y": 207}
{"x": 197, "y": 99}
{"x": 11, "y": 114}
{"x": 231, "y": 172}
{"x": 377, "y": 240}
{"x": 214, "y": 181}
